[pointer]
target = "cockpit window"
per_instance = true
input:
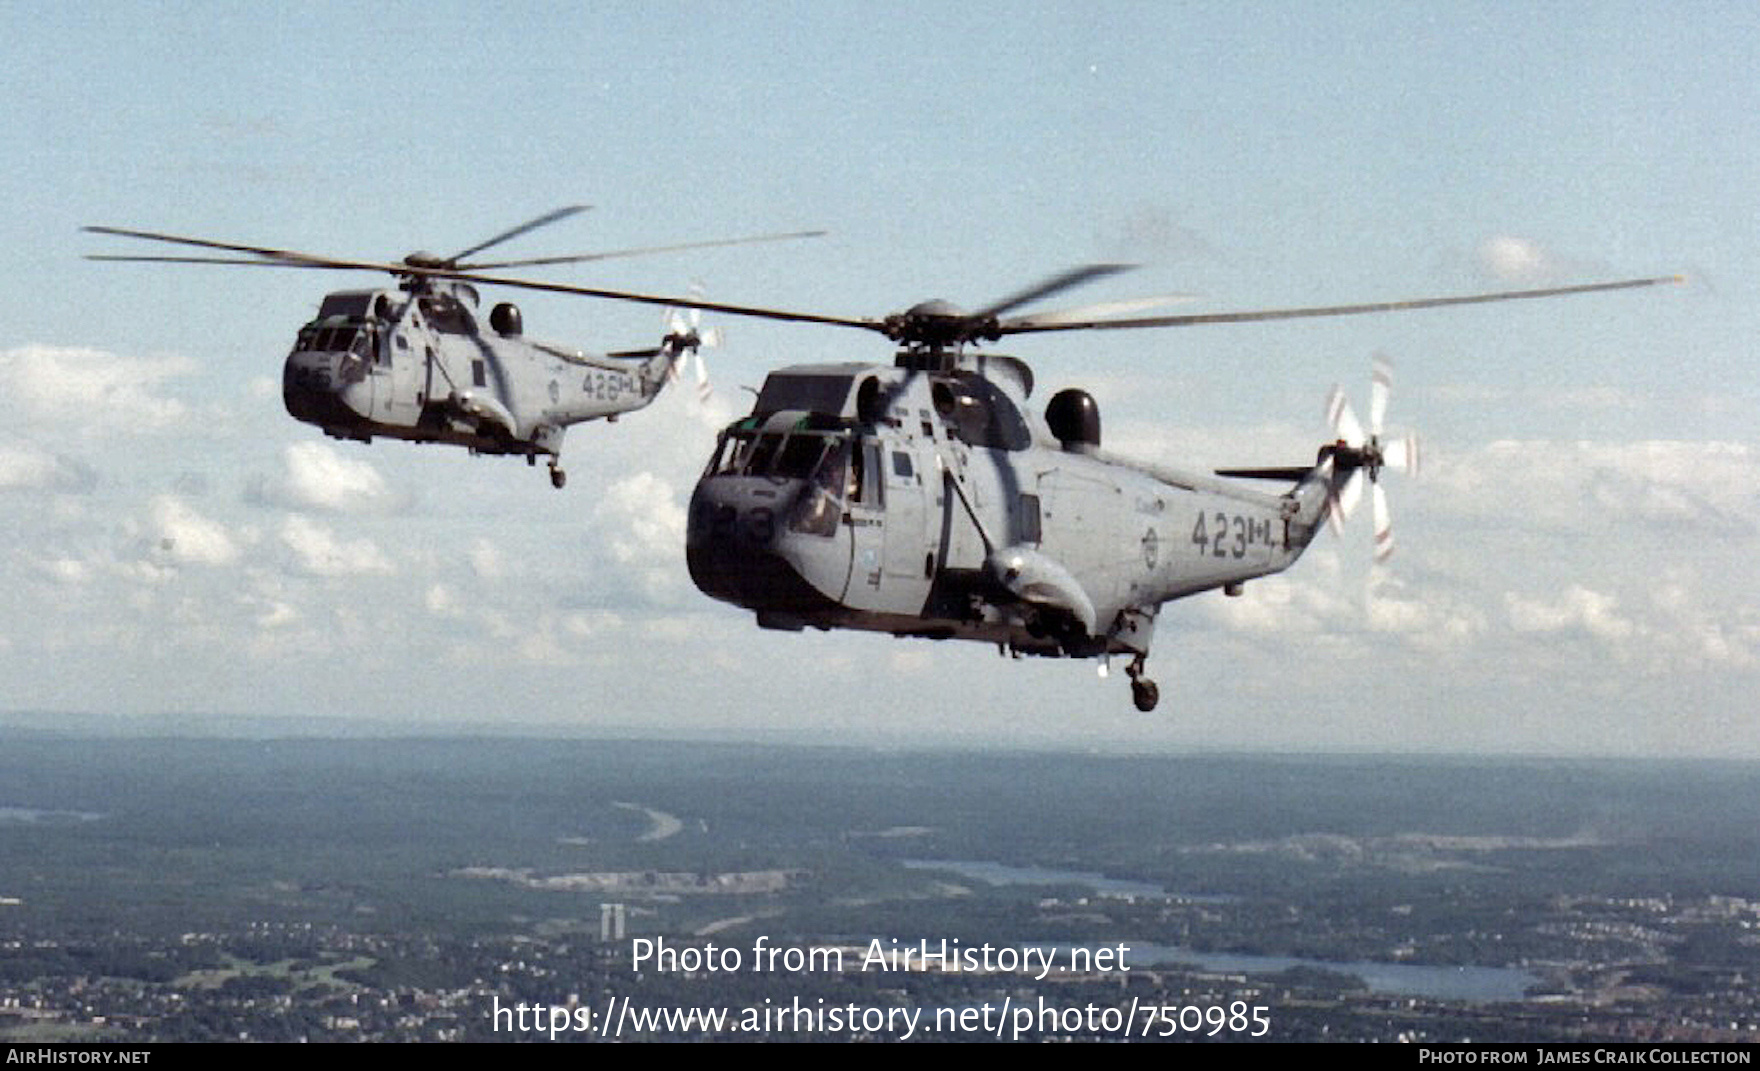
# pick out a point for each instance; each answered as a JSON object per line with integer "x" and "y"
{"x": 351, "y": 304}
{"x": 808, "y": 392}
{"x": 782, "y": 456}
{"x": 345, "y": 339}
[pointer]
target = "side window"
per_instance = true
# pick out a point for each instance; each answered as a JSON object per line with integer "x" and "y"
{"x": 1029, "y": 514}
{"x": 872, "y": 480}
{"x": 901, "y": 465}
{"x": 479, "y": 374}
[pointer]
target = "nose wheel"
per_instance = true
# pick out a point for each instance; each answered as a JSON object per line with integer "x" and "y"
{"x": 1144, "y": 692}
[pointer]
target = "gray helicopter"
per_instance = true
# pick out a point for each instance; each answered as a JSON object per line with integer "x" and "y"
{"x": 924, "y": 498}
{"x": 415, "y": 360}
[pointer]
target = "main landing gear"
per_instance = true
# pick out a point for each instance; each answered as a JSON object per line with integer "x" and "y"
{"x": 557, "y": 477}
{"x": 1144, "y": 693}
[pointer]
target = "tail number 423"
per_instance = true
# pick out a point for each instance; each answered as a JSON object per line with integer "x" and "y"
{"x": 1229, "y": 535}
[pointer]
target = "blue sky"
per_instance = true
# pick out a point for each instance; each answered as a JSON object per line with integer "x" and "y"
{"x": 1575, "y": 572}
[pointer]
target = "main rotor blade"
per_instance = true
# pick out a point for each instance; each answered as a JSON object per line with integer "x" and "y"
{"x": 640, "y": 251}
{"x": 530, "y": 225}
{"x": 214, "y": 260}
{"x": 1088, "y": 312}
{"x": 1257, "y": 315}
{"x": 1062, "y": 281}
{"x": 643, "y": 299}
{"x": 269, "y": 253}
{"x": 287, "y": 258}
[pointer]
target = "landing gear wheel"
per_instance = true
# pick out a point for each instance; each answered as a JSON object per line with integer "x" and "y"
{"x": 557, "y": 476}
{"x": 1143, "y": 691}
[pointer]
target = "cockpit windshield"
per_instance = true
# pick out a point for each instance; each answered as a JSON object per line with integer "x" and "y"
{"x": 348, "y": 338}
{"x": 783, "y": 456}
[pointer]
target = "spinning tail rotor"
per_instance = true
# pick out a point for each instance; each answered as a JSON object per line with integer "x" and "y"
{"x": 1356, "y": 454}
{"x": 686, "y": 339}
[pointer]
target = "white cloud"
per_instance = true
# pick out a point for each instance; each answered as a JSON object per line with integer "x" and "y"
{"x": 1583, "y": 485}
{"x": 486, "y": 560}
{"x": 321, "y": 553}
{"x": 277, "y": 615}
{"x": 317, "y": 477}
{"x": 642, "y": 524}
{"x": 88, "y": 390}
{"x": 1310, "y": 601}
{"x": 23, "y": 465}
{"x": 441, "y": 602}
{"x": 1426, "y": 619}
{"x": 184, "y": 535}
{"x": 1512, "y": 259}
{"x": 1577, "y": 609}
{"x": 67, "y": 570}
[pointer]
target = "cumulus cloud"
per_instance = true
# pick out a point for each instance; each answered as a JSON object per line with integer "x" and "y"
{"x": 1511, "y": 259}
{"x": 1428, "y": 619}
{"x": 441, "y": 602}
{"x": 486, "y": 560}
{"x": 319, "y": 551}
{"x": 1311, "y": 601}
{"x": 25, "y": 466}
{"x": 1576, "y": 609}
{"x": 1712, "y": 485}
{"x": 316, "y": 476}
{"x": 183, "y": 535}
{"x": 89, "y": 390}
{"x": 642, "y": 524}
{"x": 1677, "y": 623}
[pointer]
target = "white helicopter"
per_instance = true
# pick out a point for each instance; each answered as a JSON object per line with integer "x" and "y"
{"x": 925, "y": 499}
{"x": 415, "y": 361}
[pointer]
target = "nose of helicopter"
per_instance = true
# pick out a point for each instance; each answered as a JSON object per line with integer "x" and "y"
{"x": 318, "y": 387}
{"x": 740, "y": 547}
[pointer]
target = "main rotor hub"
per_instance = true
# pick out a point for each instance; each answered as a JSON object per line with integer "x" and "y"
{"x": 937, "y": 324}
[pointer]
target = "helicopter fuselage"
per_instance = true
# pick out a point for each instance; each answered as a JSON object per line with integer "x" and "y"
{"x": 420, "y": 366}
{"x": 927, "y": 503}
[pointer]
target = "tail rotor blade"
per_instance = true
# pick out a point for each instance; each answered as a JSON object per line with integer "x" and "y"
{"x": 1350, "y": 494}
{"x": 1401, "y": 455}
{"x": 1342, "y": 419}
{"x": 704, "y": 391}
{"x": 1380, "y": 386}
{"x": 1383, "y": 523}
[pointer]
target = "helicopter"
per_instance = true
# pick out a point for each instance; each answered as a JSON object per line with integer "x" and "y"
{"x": 414, "y": 360}
{"x": 926, "y": 499}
